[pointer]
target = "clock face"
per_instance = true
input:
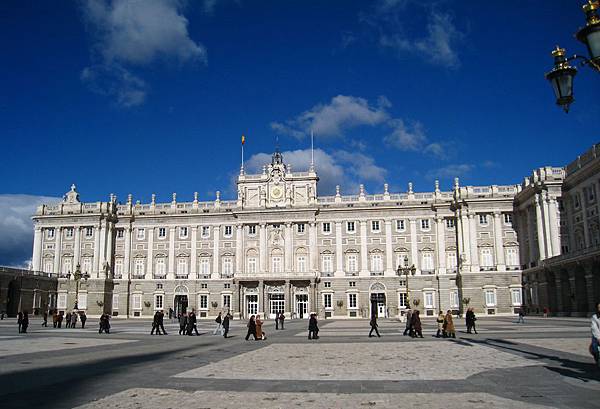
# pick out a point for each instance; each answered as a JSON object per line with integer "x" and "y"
{"x": 276, "y": 192}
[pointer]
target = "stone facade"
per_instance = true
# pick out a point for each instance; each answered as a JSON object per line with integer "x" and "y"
{"x": 281, "y": 247}
{"x": 25, "y": 290}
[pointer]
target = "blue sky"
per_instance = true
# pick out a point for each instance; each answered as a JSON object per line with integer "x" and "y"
{"x": 150, "y": 97}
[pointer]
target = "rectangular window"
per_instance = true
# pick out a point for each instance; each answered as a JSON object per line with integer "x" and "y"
{"x": 183, "y": 232}
{"x": 205, "y": 231}
{"x": 515, "y": 296}
{"x": 512, "y": 256}
{"x": 252, "y": 265}
{"x": 326, "y": 227}
{"x": 182, "y": 267}
{"x": 327, "y": 284}
{"x": 327, "y": 301}
{"x": 82, "y": 301}
{"x": 119, "y": 266}
{"x": 400, "y": 225}
{"x": 327, "y": 263}
{"x": 136, "y": 301}
{"x": 162, "y": 232}
{"x": 453, "y": 299}
{"x": 490, "y": 298}
{"x": 252, "y": 230}
{"x": 50, "y": 233}
{"x": 69, "y": 232}
{"x": 226, "y": 285}
{"x": 62, "y": 301}
{"x": 451, "y": 261}
{"x": 203, "y": 302}
{"x": 226, "y": 301}
{"x": 425, "y": 224}
{"x": 402, "y": 300}
{"x": 402, "y": 260}
{"x": 120, "y": 233}
{"x": 161, "y": 269}
{"x": 205, "y": 265}
{"x": 507, "y": 218}
{"x": 276, "y": 264}
{"x": 352, "y": 301}
{"x": 352, "y": 263}
{"x": 376, "y": 263}
{"x": 352, "y": 284}
{"x": 140, "y": 234}
{"x": 89, "y": 232}
{"x": 227, "y": 266}
{"x": 301, "y": 264}
{"x": 483, "y": 219}
{"x": 429, "y": 300}
{"x": 427, "y": 262}
{"x": 139, "y": 266}
{"x": 228, "y": 231}
{"x": 67, "y": 265}
{"x": 158, "y": 302}
{"x": 450, "y": 223}
{"x": 115, "y": 301}
{"x": 204, "y": 286}
{"x": 48, "y": 266}
{"x": 375, "y": 225}
{"x": 350, "y": 227}
{"x": 487, "y": 259}
{"x": 300, "y": 228}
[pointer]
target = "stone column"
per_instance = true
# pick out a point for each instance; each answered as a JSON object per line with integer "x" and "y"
{"x": 262, "y": 248}
{"x": 58, "y": 246}
{"x": 441, "y": 245}
{"x": 77, "y": 247}
{"x": 554, "y": 226}
{"x": 540, "y": 228}
{"x": 216, "y": 258}
{"x": 586, "y": 234}
{"x": 239, "y": 248}
{"x": 531, "y": 236}
{"x": 546, "y": 216}
{"x": 127, "y": 258}
{"x": 364, "y": 252}
{"x": 150, "y": 256}
{"x": 498, "y": 243}
{"x": 339, "y": 251}
{"x": 96, "y": 267}
{"x": 464, "y": 238}
{"x": 390, "y": 268}
{"x": 312, "y": 246}
{"x": 194, "y": 256}
{"x": 473, "y": 243}
{"x": 171, "y": 267}
{"x": 110, "y": 234}
{"x": 287, "y": 264}
{"x": 414, "y": 246}
{"x": 36, "y": 259}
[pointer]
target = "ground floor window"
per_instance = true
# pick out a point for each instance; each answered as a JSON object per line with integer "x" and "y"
{"x": 429, "y": 300}
{"x": 352, "y": 301}
{"x": 490, "y": 298}
{"x": 402, "y": 300}
{"x": 82, "y": 301}
{"x": 203, "y": 302}
{"x": 453, "y": 299}
{"x": 327, "y": 300}
{"x": 158, "y": 301}
{"x": 515, "y": 295}
{"x": 62, "y": 301}
{"x": 226, "y": 301}
{"x": 136, "y": 301}
{"x": 276, "y": 304}
{"x": 115, "y": 301}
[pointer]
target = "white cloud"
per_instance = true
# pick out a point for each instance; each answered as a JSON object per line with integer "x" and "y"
{"x": 406, "y": 138}
{"x": 343, "y": 168}
{"x": 16, "y": 227}
{"x": 127, "y": 34}
{"x": 450, "y": 171}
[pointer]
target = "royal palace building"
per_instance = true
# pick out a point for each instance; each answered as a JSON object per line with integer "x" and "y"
{"x": 279, "y": 247}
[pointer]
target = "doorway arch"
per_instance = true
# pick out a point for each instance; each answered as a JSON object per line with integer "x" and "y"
{"x": 378, "y": 300}
{"x": 181, "y": 300}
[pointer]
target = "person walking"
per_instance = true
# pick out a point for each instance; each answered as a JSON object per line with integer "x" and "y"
{"x": 277, "y": 321}
{"x": 161, "y": 323}
{"x": 226, "y": 320}
{"x": 408, "y": 328}
{"x": 545, "y": 312}
{"x": 259, "y": 332}
{"x": 468, "y": 320}
{"x": 45, "y": 318}
{"x": 54, "y": 318}
{"x": 313, "y": 327}
{"x": 374, "y": 326}
{"x": 595, "y": 326}
{"x": 104, "y": 324}
{"x": 60, "y": 319}
{"x": 449, "y": 325}
{"x": 20, "y": 321}
{"x": 473, "y": 319}
{"x": 83, "y": 319}
{"x": 416, "y": 324}
{"x": 192, "y": 320}
{"x": 521, "y": 319}
{"x": 219, "y": 321}
{"x": 74, "y": 319}
{"x": 155, "y": 324}
{"x": 281, "y": 319}
{"x": 24, "y": 322}
{"x": 182, "y": 324}
{"x": 251, "y": 328}
{"x": 68, "y": 320}
{"x": 440, "y": 325}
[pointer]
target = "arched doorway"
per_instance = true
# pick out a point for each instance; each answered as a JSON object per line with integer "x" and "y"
{"x": 181, "y": 300}
{"x": 14, "y": 294}
{"x": 378, "y": 301}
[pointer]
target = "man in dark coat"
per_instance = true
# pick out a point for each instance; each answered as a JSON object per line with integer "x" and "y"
{"x": 182, "y": 324}
{"x": 20, "y": 321}
{"x": 155, "y": 324}
{"x": 192, "y": 323}
{"x": 25, "y": 322}
{"x": 60, "y": 319}
{"x": 281, "y": 319}
{"x": 313, "y": 328}
{"x": 417, "y": 329}
{"x": 83, "y": 319}
{"x": 374, "y": 327}
{"x": 45, "y": 316}
{"x": 225, "y": 324}
{"x": 408, "y": 328}
{"x": 161, "y": 319}
{"x": 251, "y": 328}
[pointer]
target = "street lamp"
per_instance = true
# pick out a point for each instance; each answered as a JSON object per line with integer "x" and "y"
{"x": 77, "y": 276}
{"x": 406, "y": 271}
{"x": 561, "y": 76}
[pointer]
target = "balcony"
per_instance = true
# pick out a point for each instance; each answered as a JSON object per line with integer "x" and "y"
{"x": 376, "y": 273}
{"x": 351, "y": 273}
{"x": 160, "y": 276}
{"x": 138, "y": 276}
{"x": 181, "y": 276}
{"x": 226, "y": 275}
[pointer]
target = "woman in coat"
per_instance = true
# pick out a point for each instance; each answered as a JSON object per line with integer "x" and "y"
{"x": 440, "y": 324}
{"x": 251, "y": 328}
{"x": 313, "y": 328}
{"x": 449, "y": 323}
{"x": 416, "y": 323}
{"x": 259, "y": 332}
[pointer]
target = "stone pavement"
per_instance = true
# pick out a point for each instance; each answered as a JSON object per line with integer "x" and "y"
{"x": 543, "y": 363}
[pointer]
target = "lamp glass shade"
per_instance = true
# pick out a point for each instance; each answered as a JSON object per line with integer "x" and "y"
{"x": 593, "y": 43}
{"x": 562, "y": 84}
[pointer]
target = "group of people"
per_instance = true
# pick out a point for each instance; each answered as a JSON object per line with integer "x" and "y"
{"x": 470, "y": 320}
{"x": 23, "y": 321}
{"x": 104, "y": 324}
{"x": 158, "y": 323}
{"x": 188, "y": 323}
{"x": 413, "y": 327}
{"x": 255, "y": 329}
{"x": 223, "y": 324}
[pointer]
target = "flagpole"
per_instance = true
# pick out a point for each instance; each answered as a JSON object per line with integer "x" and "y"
{"x": 242, "y": 167}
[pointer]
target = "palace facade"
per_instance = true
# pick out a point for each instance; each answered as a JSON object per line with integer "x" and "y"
{"x": 282, "y": 248}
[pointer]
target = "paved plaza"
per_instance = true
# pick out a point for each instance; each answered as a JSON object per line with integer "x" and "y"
{"x": 543, "y": 363}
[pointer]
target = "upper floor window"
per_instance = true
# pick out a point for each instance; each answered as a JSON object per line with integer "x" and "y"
{"x": 507, "y": 218}
{"x": 120, "y": 233}
{"x": 50, "y": 233}
{"x": 162, "y": 232}
{"x": 590, "y": 193}
{"x": 375, "y": 225}
{"x": 140, "y": 234}
{"x": 205, "y": 231}
{"x": 483, "y": 219}
{"x": 451, "y": 261}
{"x": 227, "y": 266}
{"x": 252, "y": 229}
{"x": 425, "y": 224}
{"x": 276, "y": 264}
{"x": 228, "y": 231}
{"x": 350, "y": 227}
{"x": 376, "y": 263}
{"x": 427, "y": 261}
{"x": 183, "y": 232}
{"x": 352, "y": 263}
{"x": 450, "y": 223}
{"x": 300, "y": 228}
{"x": 69, "y": 232}
{"x": 301, "y": 264}
{"x": 327, "y": 263}
{"x": 251, "y": 265}
{"x": 352, "y": 284}
{"x": 400, "y": 225}
{"x": 327, "y": 284}
{"x": 487, "y": 260}
{"x": 512, "y": 256}
{"x": 326, "y": 227}
{"x": 204, "y": 265}
{"x": 89, "y": 232}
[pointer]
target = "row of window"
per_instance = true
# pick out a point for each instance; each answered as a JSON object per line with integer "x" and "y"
{"x": 69, "y": 232}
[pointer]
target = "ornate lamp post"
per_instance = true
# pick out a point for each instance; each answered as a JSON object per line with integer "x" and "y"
{"x": 77, "y": 276}
{"x": 406, "y": 271}
{"x": 561, "y": 76}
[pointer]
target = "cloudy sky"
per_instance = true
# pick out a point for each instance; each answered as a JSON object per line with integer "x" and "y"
{"x": 142, "y": 97}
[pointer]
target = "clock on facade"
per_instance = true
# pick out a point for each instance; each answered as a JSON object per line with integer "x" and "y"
{"x": 276, "y": 192}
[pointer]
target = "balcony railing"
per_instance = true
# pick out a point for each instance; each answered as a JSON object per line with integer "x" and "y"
{"x": 376, "y": 273}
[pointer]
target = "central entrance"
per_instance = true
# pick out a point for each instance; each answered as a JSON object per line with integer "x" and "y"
{"x": 276, "y": 305}
{"x": 302, "y": 305}
{"x": 378, "y": 301}
{"x": 181, "y": 304}
{"x": 251, "y": 304}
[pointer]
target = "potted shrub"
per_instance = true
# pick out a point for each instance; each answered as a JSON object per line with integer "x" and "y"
{"x": 214, "y": 304}
{"x": 340, "y": 303}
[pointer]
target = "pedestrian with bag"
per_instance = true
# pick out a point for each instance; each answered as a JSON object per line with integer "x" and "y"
{"x": 281, "y": 319}
{"x": 449, "y": 325}
{"x": 219, "y": 321}
{"x": 260, "y": 334}
{"x": 251, "y": 328}
{"x": 440, "y": 325}
{"x": 226, "y": 320}
{"x": 83, "y": 319}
